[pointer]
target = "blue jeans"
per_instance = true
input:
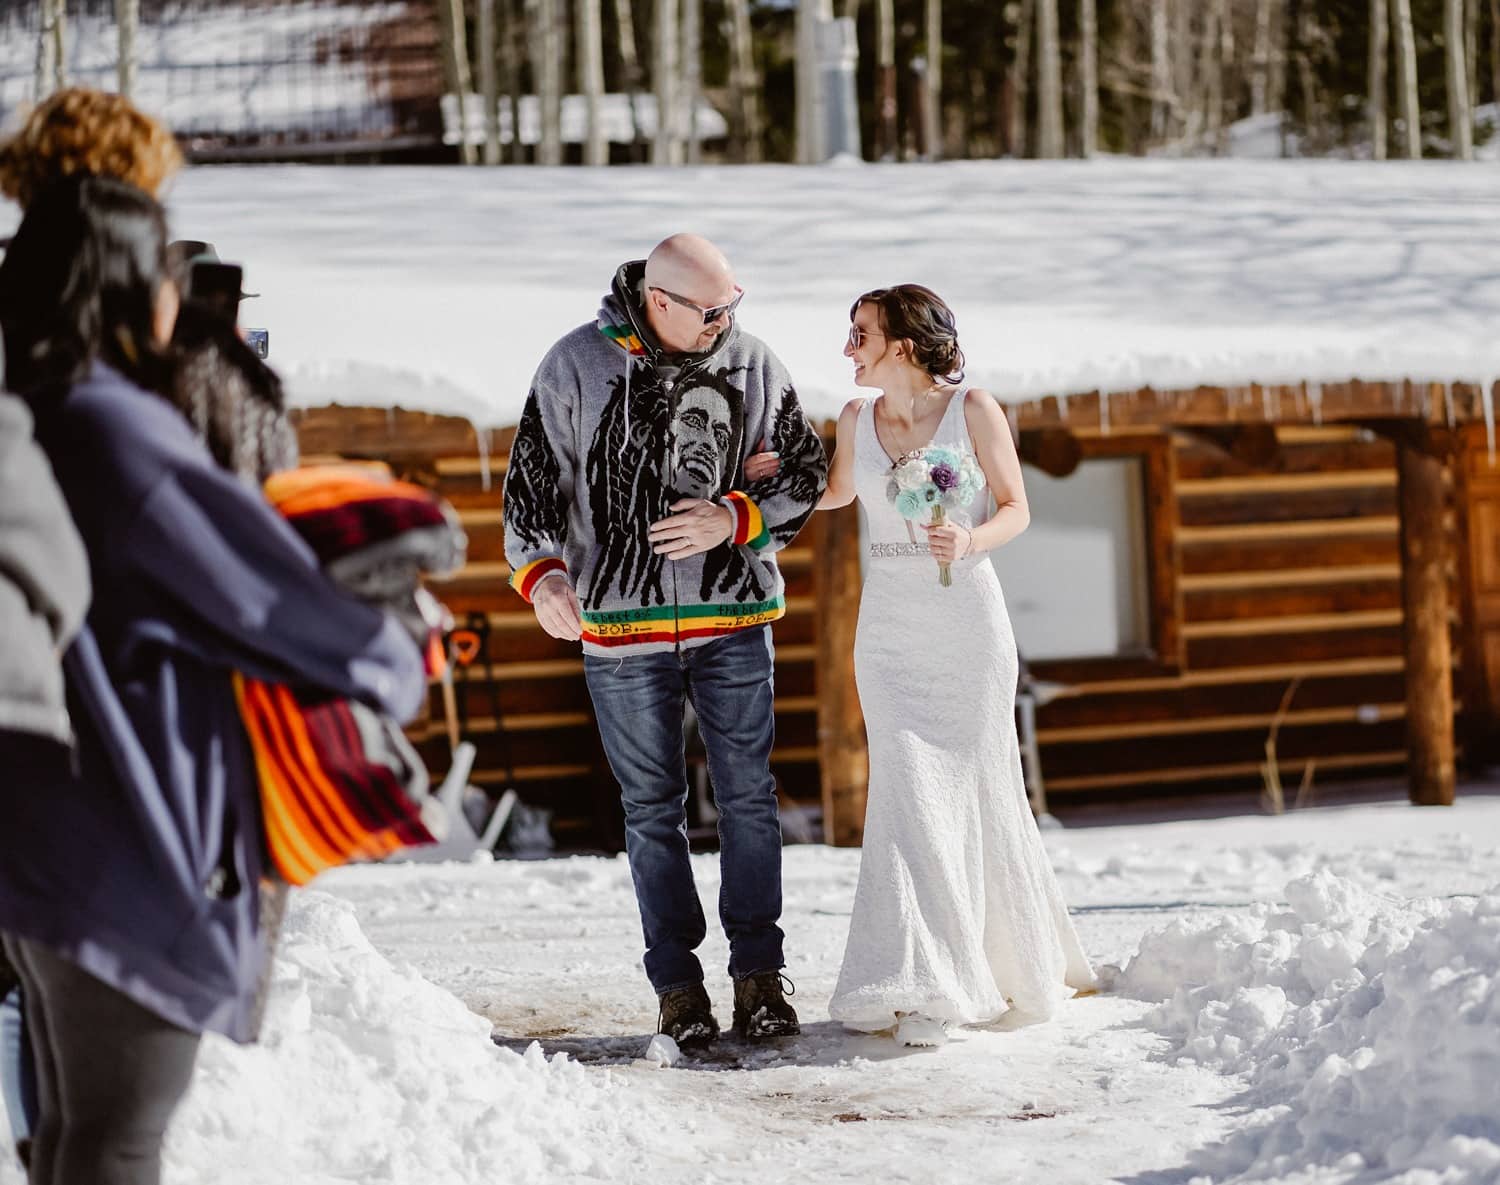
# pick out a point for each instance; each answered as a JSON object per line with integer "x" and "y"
{"x": 17, "y": 1070}
{"x": 638, "y": 701}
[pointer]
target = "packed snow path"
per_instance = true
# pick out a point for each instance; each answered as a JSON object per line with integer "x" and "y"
{"x": 1313, "y": 998}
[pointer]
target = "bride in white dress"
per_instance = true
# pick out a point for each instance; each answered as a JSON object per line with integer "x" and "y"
{"x": 957, "y": 918}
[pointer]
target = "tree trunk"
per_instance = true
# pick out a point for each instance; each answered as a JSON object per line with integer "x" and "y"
{"x": 128, "y": 18}
{"x": 692, "y": 75}
{"x": 456, "y": 71}
{"x": 545, "y": 22}
{"x": 1049, "y": 82}
{"x": 744, "y": 84}
{"x": 1211, "y": 75}
{"x": 630, "y": 64}
{"x": 512, "y": 54}
{"x": 886, "y": 133}
{"x": 1184, "y": 70}
{"x": 666, "y": 148}
{"x": 1088, "y": 77}
{"x": 1405, "y": 45}
{"x": 1460, "y": 122}
{"x": 932, "y": 101}
{"x": 1260, "y": 65}
{"x": 1025, "y": 23}
{"x": 1375, "y": 103}
{"x": 51, "y": 50}
{"x": 489, "y": 81}
{"x": 590, "y": 53}
{"x": 1161, "y": 73}
{"x": 1276, "y": 65}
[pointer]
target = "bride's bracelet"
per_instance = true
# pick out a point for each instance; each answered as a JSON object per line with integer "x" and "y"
{"x": 968, "y": 543}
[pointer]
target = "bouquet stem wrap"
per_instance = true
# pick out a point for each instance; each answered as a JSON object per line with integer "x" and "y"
{"x": 945, "y": 571}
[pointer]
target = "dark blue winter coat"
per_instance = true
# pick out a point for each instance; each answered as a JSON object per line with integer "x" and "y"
{"x": 144, "y": 867}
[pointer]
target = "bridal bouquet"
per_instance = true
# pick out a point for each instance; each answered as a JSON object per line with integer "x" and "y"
{"x": 928, "y": 483}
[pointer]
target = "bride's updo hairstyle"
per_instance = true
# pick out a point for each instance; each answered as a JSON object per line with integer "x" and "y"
{"x": 918, "y": 315}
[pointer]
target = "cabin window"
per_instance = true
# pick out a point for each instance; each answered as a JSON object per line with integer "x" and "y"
{"x": 1076, "y": 582}
{"x": 1091, "y": 585}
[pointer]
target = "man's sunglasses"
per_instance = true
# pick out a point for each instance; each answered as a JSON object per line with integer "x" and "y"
{"x": 713, "y": 312}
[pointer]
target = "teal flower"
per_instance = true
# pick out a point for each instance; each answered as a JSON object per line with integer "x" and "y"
{"x": 909, "y": 505}
{"x": 930, "y": 494}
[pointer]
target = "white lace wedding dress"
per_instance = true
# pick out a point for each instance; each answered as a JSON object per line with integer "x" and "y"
{"x": 957, "y": 915}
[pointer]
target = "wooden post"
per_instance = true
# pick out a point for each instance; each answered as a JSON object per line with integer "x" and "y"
{"x": 843, "y": 760}
{"x": 1424, "y": 598}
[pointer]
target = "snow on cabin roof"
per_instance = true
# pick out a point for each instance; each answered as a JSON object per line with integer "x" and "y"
{"x": 440, "y": 288}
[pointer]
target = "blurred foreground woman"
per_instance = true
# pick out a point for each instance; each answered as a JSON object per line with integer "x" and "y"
{"x": 128, "y": 889}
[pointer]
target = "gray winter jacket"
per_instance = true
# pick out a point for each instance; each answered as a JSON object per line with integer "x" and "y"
{"x": 614, "y": 431}
{"x": 44, "y": 583}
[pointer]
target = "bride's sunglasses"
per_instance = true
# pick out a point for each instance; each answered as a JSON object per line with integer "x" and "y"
{"x": 713, "y": 312}
{"x": 857, "y": 336}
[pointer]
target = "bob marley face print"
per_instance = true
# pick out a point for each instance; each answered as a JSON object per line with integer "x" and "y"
{"x": 702, "y": 432}
{"x": 638, "y": 464}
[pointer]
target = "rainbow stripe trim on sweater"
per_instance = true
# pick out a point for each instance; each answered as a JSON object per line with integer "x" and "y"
{"x": 527, "y": 578}
{"x": 625, "y": 337}
{"x": 636, "y": 627}
{"x": 749, "y": 526}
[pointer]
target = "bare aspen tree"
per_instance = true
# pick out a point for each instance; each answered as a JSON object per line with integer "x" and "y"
{"x": 666, "y": 148}
{"x": 1049, "y": 82}
{"x": 51, "y": 49}
{"x": 1216, "y": 60}
{"x": 692, "y": 75}
{"x": 1260, "y": 60}
{"x": 590, "y": 54}
{"x": 630, "y": 65}
{"x": 1379, "y": 51}
{"x": 544, "y": 29}
{"x": 128, "y": 20}
{"x": 512, "y": 55}
{"x": 1088, "y": 77}
{"x": 1460, "y": 121}
{"x": 1404, "y": 43}
{"x": 932, "y": 80}
{"x": 744, "y": 86}
{"x": 489, "y": 80}
{"x": 456, "y": 70}
{"x": 1025, "y": 24}
{"x": 1161, "y": 72}
{"x": 1186, "y": 113}
{"x": 885, "y": 80}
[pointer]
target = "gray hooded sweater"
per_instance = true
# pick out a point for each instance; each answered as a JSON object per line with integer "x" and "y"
{"x": 614, "y": 431}
{"x": 44, "y": 583}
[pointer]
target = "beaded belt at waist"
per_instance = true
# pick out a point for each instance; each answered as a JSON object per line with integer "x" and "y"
{"x": 887, "y": 551}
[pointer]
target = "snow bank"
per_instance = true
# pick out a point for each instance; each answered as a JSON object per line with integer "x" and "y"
{"x": 369, "y": 1073}
{"x": 1368, "y": 1030}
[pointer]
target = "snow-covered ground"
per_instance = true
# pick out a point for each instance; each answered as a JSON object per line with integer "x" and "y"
{"x": 1311, "y": 998}
{"x": 440, "y": 288}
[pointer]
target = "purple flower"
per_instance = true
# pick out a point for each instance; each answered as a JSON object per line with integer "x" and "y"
{"x": 945, "y": 477}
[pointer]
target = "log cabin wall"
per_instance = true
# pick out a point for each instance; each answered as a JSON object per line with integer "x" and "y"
{"x": 1273, "y": 564}
{"x": 524, "y": 700}
{"x": 1287, "y": 601}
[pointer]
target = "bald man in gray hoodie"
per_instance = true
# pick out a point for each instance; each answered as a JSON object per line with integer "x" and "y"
{"x": 632, "y": 527}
